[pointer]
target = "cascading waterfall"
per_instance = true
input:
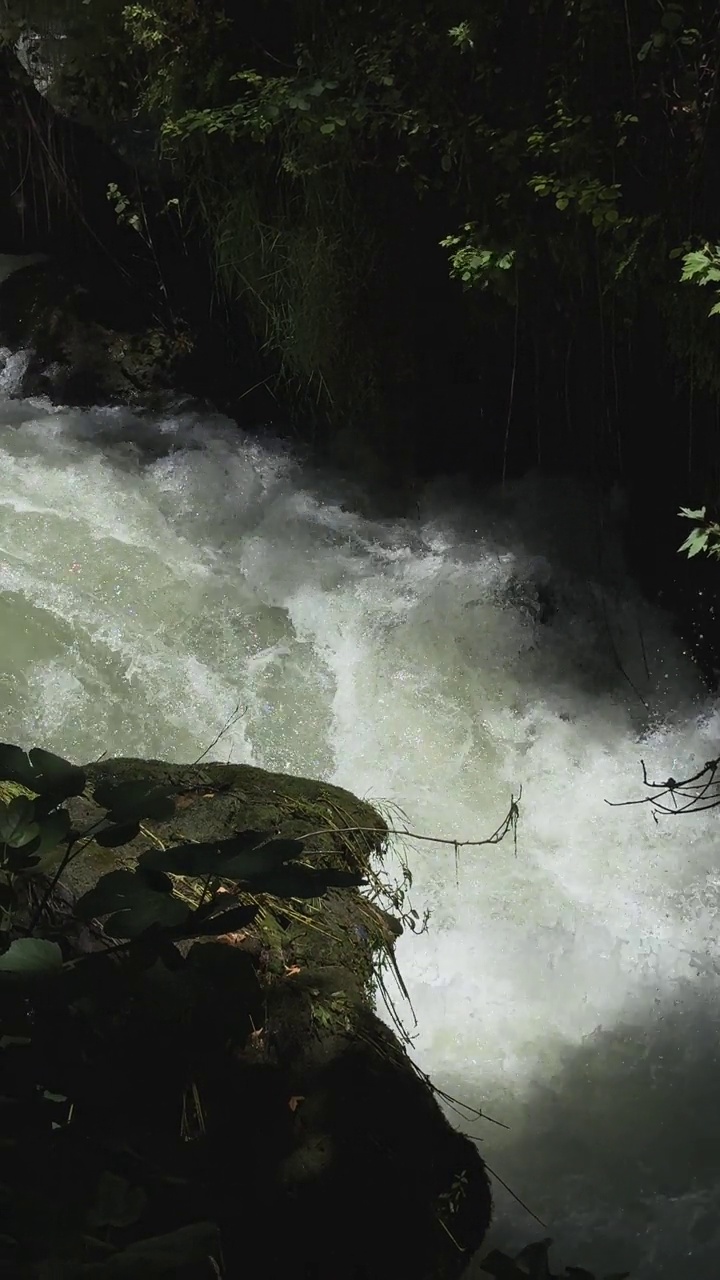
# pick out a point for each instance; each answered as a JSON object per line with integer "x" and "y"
{"x": 157, "y": 574}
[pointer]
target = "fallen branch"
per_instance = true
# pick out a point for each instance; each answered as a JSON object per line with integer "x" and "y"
{"x": 508, "y": 824}
{"x": 691, "y": 795}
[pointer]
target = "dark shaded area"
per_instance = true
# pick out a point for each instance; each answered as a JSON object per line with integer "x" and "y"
{"x": 627, "y": 1125}
{"x": 54, "y": 179}
{"x": 241, "y": 1080}
{"x": 572, "y": 377}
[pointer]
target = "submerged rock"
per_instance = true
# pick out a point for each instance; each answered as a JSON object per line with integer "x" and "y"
{"x": 320, "y": 1148}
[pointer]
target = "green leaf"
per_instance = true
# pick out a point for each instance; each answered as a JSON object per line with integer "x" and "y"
{"x": 446, "y": 163}
{"x": 19, "y": 861}
{"x": 562, "y": 202}
{"x": 132, "y": 801}
{"x": 17, "y": 822}
{"x": 328, "y": 127}
{"x": 671, "y": 20}
{"x": 213, "y": 926}
{"x": 31, "y": 956}
{"x": 694, "y": 264}
{"x": 501, "y": 1267}
{"x": 305, "y": 882}
{"x": 695, "y": 543}
{"x": 257, "y": 864}
{"x": 117, "y": 1204}
{"x": 54, "y": 776}
{"x": 137, "y": 902}
{"x": 41, "y": 772}
{"x": 692, "y": 515}
{"x": 49, "y": 845}
{"x": 121, "y": 833}
{"x": 241, "y": 857}
{"x": 164, "y": 1257}
{"x": 15, "y": 766}
{"x": 715, "y": 309}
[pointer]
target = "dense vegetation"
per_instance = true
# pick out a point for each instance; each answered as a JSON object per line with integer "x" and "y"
{"x": 496, "y": 213}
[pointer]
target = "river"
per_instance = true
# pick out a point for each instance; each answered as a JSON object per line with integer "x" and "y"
{"x": 165, "y": 578}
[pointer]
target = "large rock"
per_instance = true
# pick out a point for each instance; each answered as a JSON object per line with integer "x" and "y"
{"x": 323, "y": 1152}
{"x": 89, "y": 341}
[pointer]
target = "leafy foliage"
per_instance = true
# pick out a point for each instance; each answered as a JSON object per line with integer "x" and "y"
{"x": 705, "y": 536}
{"x": 533, "y": 1263}
{"x": 543, "y": 145}
{"x": 557, "y": 159}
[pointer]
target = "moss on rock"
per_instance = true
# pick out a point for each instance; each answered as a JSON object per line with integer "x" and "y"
{"x": 89, "y": 342}
{"x": 317, "y": 1135}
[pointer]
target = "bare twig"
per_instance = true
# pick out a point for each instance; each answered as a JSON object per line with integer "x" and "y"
{"x": 508, "y": 824}
{"x": 231, "y": 720}
{"x": 690, "y": 795}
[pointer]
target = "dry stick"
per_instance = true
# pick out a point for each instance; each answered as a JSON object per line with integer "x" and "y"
{"x": 673, "y": 788}
{"x": 236, "y": 714}
{"x": 643, "y": 650}
{"x": 509, "y": 823}
{"x": 511, "y": 397}
{"x": 616, "y": 656}
{"x": 514, "y": 1196}
{"x": 64, "y": 185}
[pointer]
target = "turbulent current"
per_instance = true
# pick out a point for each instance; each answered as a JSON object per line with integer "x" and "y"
{"x": 158, "y": 573}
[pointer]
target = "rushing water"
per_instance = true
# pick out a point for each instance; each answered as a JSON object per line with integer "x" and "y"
{"x": 157, "y": 574}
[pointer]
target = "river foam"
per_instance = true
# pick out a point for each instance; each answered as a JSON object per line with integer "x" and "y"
{"x": 158, "y": 574}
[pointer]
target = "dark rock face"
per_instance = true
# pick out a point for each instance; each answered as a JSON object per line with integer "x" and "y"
{"x": 88, "y": 345}
{"x": 322, "y": 1151}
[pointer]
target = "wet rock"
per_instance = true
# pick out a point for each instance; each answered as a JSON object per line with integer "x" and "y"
{"x": 320, "y": 1148}
{"x": 88, "y": 342}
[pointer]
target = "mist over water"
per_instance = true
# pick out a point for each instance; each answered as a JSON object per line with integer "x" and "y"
{"x": 157, "y": 574}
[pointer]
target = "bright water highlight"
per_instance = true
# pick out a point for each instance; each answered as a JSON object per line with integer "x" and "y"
{"x": 157, "y": 574}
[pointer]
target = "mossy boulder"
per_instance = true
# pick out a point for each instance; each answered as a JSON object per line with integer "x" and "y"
{"x": 92, "y": 339}
{"x": 318, "y": 1147}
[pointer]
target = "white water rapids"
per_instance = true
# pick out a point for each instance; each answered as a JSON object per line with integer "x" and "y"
{"x": 155, "y": 574}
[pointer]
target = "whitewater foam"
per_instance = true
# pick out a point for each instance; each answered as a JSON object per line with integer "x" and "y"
{"x": 157, "y": 575}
